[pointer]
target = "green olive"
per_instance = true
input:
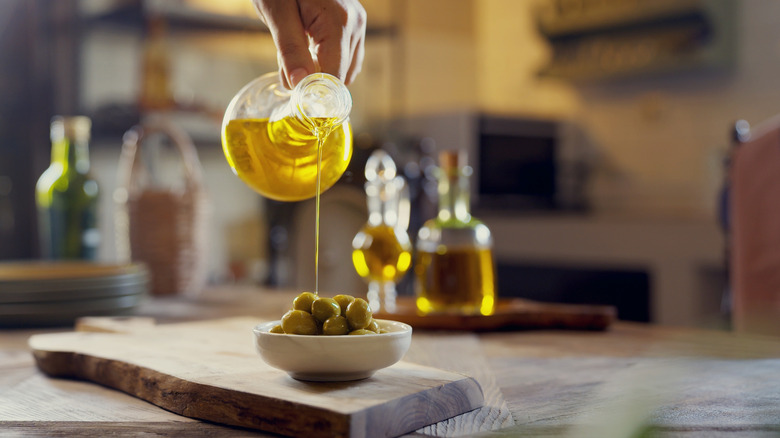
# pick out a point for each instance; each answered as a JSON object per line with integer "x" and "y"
{"x": 324, "y": 308}
{"x": 298, "y": 322}
{"x": 336, "y": 325}
{"x": 303, "y": 301}
{"x": 361, "y": 332}
{"x": 344, "y": 301}
{"x": 358, "y": 314}
{"x": 373, "y": 326}
{"x": 276, "y": 329}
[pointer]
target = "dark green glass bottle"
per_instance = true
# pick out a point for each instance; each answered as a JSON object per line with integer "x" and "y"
{"x": 67, "y": 195}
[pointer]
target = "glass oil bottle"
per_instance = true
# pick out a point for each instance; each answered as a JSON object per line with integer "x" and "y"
{"x": 66, "y": 194}
{"x": 290, "y": 145}
{"x": 381, "y": 250}
{"x": 270, "y": 135}
{"x": 454, "y": 271}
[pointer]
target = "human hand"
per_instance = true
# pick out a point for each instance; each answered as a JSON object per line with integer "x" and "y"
{"x": 316, "y": 35}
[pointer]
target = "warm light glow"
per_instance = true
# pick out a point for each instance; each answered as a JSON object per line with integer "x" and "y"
{"x": 224, "y": 7}
{"x": 423, "y": 305}
{"x": 359, "y": 260}
{"x": 487, "y": 305}
{"x": 489, "y": 286}
{"x": 347, "y": 140}
{"x": 388, "y": 271}
{"x": 404, "y": 261}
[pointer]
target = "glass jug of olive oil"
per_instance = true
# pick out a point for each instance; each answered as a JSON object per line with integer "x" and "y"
{"x": 290, "y": 145}
{"x": 454, "y": 272}
{"x": 381, "y": 250}
{"x": 270, "y": 135}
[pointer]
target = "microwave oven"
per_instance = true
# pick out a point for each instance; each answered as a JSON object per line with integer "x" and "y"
{"x": 518, "y": 163}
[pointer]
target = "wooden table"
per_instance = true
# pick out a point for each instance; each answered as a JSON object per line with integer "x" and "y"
{"x": 672, "y": 381}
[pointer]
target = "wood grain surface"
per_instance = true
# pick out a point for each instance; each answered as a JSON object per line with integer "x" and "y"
{"x": 547, "y": 383}
{"x": 209, "y": 370}
{"x": 510, "y": 314}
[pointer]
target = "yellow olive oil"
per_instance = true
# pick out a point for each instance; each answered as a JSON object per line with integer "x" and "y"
{"x": 457, "y": 280}
{"x": 279, "y": 159}
{"x": 322, "y": 133}
{"x": 286, "y": 160}
{"x": 381, "y": 253}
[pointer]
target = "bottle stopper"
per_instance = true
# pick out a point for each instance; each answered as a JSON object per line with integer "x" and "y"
{"x": 452, "y": 160}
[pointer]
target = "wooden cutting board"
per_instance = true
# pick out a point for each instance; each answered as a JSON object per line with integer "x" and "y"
{"x": 510, "y": 314}
{"x": 209, "y": 370}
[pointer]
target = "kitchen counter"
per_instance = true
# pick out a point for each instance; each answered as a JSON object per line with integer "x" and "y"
{"x": 632, "y": 377}
{"x": 676, "y": 254}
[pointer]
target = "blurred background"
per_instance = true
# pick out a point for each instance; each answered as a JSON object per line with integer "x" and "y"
{"x": 597, "y": 130}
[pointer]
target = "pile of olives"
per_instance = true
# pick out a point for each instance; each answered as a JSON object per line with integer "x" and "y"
{"x": 340, "y": 315}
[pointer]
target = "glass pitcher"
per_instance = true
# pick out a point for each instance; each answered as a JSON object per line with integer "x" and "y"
{"x": 270, "y": 135}
{"x": 381, "y": 250}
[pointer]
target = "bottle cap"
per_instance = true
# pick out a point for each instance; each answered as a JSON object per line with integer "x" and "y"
{"x": 380, "y": 168}
{"x": 452, "y": 160}
{"x": 75, "y": 127}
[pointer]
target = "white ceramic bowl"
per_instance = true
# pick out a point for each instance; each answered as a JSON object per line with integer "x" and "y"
{"x": 333, "y": 358}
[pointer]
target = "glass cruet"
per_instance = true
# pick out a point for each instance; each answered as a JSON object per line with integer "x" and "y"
{"x": 381, "y": 250}
{"x": 270, "y": 135}
{"x": 454, "y": 271}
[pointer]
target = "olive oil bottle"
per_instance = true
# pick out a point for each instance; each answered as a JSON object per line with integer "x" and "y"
{"x": 381, "y": 250}
{"x": 66, "y": 194}
{"x": 454, "y": 270}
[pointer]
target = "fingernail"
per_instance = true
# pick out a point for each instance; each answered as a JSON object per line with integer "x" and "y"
{"x": 297, "y": 75}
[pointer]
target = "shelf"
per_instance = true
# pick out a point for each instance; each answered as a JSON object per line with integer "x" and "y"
{"x": 630, "y": 38}
{"x": 557, "y": 21}
{"x": 133, "y": 14}
{"x": 110, "y": 122}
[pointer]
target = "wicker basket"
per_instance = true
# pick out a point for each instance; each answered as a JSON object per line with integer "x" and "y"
{"x": 164, "y": 228}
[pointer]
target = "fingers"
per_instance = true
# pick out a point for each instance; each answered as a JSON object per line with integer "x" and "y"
{"x": 358, "y": 44}
{"x": 332, "y": 59}
{"x": 283, "y": 18}
{"x": 357, "y": 63}
{"x": 337, "y": 29}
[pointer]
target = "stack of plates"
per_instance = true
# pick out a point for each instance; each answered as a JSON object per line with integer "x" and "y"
{"x": 56, "y": 293}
